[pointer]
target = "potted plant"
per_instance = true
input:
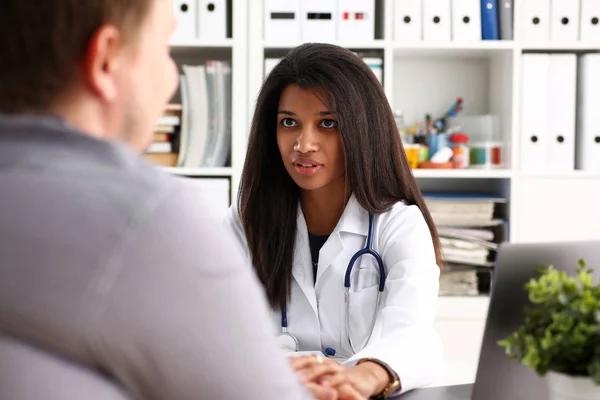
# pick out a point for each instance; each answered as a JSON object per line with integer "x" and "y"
{"x": 560, "y": 338}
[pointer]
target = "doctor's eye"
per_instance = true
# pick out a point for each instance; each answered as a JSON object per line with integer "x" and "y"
{"x": 288, "y": 123}
{"x": 329, "y": 124}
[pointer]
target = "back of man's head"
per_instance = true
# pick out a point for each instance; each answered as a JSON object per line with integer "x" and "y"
{"x": 102, "y": 65}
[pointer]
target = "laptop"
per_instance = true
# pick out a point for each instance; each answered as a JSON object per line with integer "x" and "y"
{"x": 498, "y": 376}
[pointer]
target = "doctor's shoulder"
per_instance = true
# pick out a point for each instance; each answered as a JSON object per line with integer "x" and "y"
{"x": 404, "y": 227}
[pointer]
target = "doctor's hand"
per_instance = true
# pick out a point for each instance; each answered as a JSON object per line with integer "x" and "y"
{"x": 325, "y": 378}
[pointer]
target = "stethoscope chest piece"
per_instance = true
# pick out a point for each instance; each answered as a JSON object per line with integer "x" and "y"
{"x": 288, "y": 342}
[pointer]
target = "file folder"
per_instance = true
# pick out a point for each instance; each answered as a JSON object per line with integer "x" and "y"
{"x": 535, "y": 125}
{"x": 282, "y": 20}
{"x": 505, "y": 17}
{"x": 318, "y": 20}
{"x": 436, "y": 20}
{"x": 590, "y": 21}
{"x": 588, "y": 115}
{"x": 489, "y": 20}
{"x": 561, "y": 112}
{"x": 356, "y": 20}
{"x": 408, "y": 15}
{"x": 565, "y": 20}
{"x": 535, "y": 20}
{"x": 212, "y": 19}
{"x": 185, "y": 20}
{"x": 270, "y": 63}
{"x": 466, "y": 20}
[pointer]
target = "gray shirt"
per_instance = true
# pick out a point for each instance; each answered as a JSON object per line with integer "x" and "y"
{"x": 125, "y": 276}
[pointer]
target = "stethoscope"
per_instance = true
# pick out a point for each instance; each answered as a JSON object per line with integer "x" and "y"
{"x": 290, "y": 343}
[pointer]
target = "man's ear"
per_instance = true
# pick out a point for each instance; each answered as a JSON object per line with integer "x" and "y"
{"x": 102, "y": 62}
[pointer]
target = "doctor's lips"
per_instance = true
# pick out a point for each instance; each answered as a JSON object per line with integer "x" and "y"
{"x": 306, "y": 166}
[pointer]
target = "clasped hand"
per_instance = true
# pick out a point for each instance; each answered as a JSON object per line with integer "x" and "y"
{"x": 328, "y": 380}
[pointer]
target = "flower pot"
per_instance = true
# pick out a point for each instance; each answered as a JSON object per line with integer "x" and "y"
{"x": 566, "y": 387}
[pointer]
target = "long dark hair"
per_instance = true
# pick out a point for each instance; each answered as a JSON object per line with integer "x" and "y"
{"x": 376, "y": 167}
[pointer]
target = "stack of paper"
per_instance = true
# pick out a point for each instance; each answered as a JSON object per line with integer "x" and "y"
{"x": 206, "y": 117}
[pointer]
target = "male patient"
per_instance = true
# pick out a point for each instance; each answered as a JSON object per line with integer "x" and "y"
{"x": 116, "y": 282}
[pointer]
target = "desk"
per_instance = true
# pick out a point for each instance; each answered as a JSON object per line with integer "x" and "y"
{"x": 458, "y": 392}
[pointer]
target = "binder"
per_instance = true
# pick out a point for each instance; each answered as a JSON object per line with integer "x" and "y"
{"x": 588, "y": 116}
{"x": 356, "y": 20}
{"x": 408, "y": 15}
{"x": 212, "y": 19}
{"x": 489, "y": 20}
{"x": 561, "y": 112}
{"x": 318, "y": 20}
{"x": 185, "y": 20}
{"x": 590, "y": 21}
{"x": 534, "y": 118}
{"x": 506, "y": 18}
{"x": 282, "y": 20}
{"x": 466, "y": 20}
{"x": 270, "y": 63}
{"x": 436, "y": 20}
{"x": 565, "y": 20}
{"x": 535, "y": 20}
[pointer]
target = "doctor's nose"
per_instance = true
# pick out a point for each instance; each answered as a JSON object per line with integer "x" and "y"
{"x": 306, "y": 142}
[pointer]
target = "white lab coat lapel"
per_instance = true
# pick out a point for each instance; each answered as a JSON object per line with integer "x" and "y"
{"x": 302, "y": 264}
{"x": 354, "y": 220}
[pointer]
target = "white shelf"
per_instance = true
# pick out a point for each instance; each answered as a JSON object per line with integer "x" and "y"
{"x": 455, "y": 49}
{"x": 201, "y": 172}
{"x": 199, "y": 44}
{"x": 374, "y": 44}
{"x": 561, "y": 46}
{"x": 463, "y": 173}
{"x": 561, "y": 175}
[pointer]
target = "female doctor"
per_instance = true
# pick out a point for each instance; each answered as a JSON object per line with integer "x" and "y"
{"x": 325, "y": 177}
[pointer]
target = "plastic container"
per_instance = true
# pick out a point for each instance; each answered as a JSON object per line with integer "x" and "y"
{"x": 486, "y": 155}
{"x": 460, "y": 150}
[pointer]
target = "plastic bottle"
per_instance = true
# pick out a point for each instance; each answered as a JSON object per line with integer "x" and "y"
{"x": 460, "y": 149}
{"x": 402, "y": 127}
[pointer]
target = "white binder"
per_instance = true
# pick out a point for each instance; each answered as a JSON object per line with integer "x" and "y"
{"x": 318, "y": 20}
{"x": 270, "y": 63}
{"x": 590, "y": 21}
{"x": 281, "y": 20}
{"x": 466, "y": 20}
{"x": 588, "y": 116}
{"x": 212, "y": 19}
{"x": 535, "y": 125}
{"x": 356, "y": 20}
{"x": 186, "y": 25}
{"x": 535, "y": 21}
{"x": 561, "y": 112}
{"x": 565, "y": 20}
{"x": 408, "y": 16}
{"x": 436, "y": 20}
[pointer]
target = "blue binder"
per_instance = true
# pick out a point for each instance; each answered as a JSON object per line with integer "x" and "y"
{"x": 489, "y": 20}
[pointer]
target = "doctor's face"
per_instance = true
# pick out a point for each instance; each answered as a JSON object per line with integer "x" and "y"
{"x": 308, "y": 139}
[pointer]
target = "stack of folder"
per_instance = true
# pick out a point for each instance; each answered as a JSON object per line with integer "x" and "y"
{"x": 560, "y": 21}
{"x": 470, "y": 230}
{"x": 319, "y": 20}
{"x": 205, "y": 135}
{"x": 199, "y": 20}
{"x": 452, "y": 20}
{"x": 560, "y": 119}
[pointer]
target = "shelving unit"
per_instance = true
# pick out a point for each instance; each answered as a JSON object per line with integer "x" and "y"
{"x": 426, "y": 77}
{"x": 234, "y": 49}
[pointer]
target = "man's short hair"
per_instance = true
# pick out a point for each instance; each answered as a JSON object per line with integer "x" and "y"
{"x": 42, "y": 43}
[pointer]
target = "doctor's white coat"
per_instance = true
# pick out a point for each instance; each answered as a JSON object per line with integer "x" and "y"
{"x": 404, "y": 335}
